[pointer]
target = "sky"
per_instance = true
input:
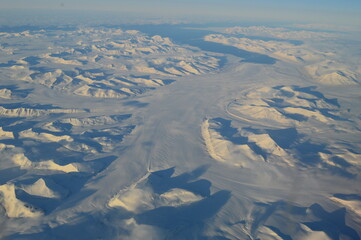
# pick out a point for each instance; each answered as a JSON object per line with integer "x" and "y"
{"x": 306, "y": 11}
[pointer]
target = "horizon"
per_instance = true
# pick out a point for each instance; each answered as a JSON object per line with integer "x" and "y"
{"x": 331, "y": 13}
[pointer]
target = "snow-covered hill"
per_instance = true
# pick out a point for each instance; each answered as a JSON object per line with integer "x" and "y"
{"x": 114, "y": 134}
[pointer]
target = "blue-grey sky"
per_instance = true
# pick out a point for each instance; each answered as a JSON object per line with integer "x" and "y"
{"x": 312, "y": 11}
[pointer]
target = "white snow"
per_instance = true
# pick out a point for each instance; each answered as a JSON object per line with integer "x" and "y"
{"x": 39, "y": 188}
{"x": 110, "y": 133}
{"x": 14, "y": 207}
{"x": 5, "y": 93}
{"x": 21, "y": 160}
{"x": 6, "y": 134}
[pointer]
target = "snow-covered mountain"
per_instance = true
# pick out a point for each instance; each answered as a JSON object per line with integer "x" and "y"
{"x": 107, "y": 133}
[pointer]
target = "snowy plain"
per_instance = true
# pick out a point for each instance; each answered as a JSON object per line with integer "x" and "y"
{"x": 177, "y": 132}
